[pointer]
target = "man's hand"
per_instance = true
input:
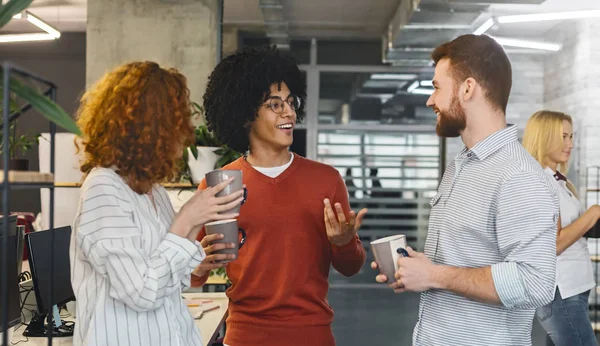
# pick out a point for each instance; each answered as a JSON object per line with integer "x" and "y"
{"x": 339, "y": 230}
{"x": 210, "y": 262}
{"x": 415, "y": 273}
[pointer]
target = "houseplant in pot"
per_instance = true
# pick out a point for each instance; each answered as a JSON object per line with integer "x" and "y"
{"x": 17, "y": 144}
{"x": 208, "y": 153}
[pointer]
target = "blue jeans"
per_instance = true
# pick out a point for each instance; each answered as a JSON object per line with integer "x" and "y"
{"x": 567, "y": 321}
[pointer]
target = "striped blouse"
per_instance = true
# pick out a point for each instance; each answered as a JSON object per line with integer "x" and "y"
{"x": 127, "y": 270}
{"x": 495, "y": 207}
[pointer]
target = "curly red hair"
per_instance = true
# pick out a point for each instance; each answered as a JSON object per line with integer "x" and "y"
{"x": 136, "y": 118}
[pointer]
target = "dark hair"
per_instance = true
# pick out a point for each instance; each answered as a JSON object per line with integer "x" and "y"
{"x": 482, "y": 58}
{"x": 240, "y": 84}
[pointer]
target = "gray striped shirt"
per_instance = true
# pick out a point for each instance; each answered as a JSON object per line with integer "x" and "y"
{"x": 127, "y": 271}
{"x": 495, "y": 207}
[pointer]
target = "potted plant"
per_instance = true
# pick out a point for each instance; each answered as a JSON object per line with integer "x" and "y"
{"x": 16, "y": 144}
{"x": 208, "y": 153}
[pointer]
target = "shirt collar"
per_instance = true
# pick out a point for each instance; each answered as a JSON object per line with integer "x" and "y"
{"x": 558, "y": 176}
{"x": 493, "y": 142}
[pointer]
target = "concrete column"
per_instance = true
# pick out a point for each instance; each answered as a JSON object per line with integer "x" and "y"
{"x": 572, "y": 85}
{"x": 173, "y": 33}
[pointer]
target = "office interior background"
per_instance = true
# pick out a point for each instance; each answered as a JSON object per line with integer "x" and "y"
{"x": 368, "y": 76}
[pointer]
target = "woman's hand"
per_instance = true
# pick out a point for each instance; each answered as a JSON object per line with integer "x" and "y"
{"x": 205, "y": 207}
{"x": 208, "y": 263}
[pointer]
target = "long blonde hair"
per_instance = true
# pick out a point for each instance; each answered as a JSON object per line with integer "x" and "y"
{"x": 543, "y": 135}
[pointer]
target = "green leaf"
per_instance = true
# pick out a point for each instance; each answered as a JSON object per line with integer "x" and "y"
{"x": 45, "y": 106}
{"x": 194, "y": 151}
{"x": 12, "y": 7}
{"x": 221, "y": 151}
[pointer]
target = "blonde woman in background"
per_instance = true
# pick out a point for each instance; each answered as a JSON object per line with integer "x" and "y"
{"x": 549, "y": 139}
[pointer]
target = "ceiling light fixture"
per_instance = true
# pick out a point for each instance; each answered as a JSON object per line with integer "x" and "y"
{"x": 435, "y": 26}
{"x": 416, "y": 87}
{"x": 51, "y": 33}
{"x": 422, "y": 91}
{"x": 484, "y": 27}
{"x": 538, "y": 17}
{"x": 513, "y": 42}
{"x": 393, "y": 76}
{"x": 413, "y": 86}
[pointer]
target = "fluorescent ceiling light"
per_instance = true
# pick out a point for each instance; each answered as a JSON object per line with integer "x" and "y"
{"x": 426, "y": 83}
{"x": 422, "y": 91}
{"x": 378, "y": 83}
{"x": 484, "y": 27}
{"x": 383, "y": 97}
{"x": 393, "y": 76}
{"x": 51, "y": 33}
{"x": 537, "y": 17}
{"x": 413, "y": 86}
{"x": 512, "y": 42}
{"x": 42, "y": 25}
{"x": 434, "y": 26}
{"x": 26, "y": 37}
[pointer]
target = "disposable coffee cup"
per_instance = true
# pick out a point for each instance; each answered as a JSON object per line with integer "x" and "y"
{"x": 216, "y": 177}
{"x": 230, "y": 230}
{"x": 387, "y": 251}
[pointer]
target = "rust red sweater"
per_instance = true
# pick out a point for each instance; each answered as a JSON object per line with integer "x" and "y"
{"x": 279, "y": 282}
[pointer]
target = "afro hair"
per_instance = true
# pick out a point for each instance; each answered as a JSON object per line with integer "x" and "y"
{"x": 240, "y": 84}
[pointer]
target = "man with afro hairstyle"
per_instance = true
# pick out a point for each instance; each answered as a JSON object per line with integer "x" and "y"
{"x": 279, "y": 281}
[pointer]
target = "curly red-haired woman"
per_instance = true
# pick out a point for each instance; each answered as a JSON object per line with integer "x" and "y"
{"x": 130, "y": 254}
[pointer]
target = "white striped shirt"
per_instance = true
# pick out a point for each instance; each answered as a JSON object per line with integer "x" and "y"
{"x": 495, "y": 207}
{"x": 127, "y": 270}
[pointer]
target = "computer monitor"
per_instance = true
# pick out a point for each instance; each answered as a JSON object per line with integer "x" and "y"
{"x": 12, "y": 278}
{"x": 39, "y": 249}
{"x": 20, "y": 248}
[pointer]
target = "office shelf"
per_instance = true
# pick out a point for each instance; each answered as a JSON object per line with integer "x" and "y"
{"x": 26, "y": 177}
{"x": 11, "y": 180}
{"x": 165, "y": 185}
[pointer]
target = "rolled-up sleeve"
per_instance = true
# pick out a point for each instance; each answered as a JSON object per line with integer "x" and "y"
{"x": 527, "y": 213}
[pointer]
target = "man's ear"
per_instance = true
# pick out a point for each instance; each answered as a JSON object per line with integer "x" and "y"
{"x": 468, "y": 89}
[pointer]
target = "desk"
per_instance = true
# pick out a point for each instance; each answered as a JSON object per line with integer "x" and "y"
{"x": 209, "y": 324}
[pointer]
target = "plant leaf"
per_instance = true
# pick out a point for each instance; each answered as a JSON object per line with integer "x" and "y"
{"x": 12, "y": 7}
{"x": 194, "y": 151}
{"x": 45, "y": 106}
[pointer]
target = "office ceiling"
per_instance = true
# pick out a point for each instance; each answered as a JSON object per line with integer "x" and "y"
{"x": 408, "y": 29}
{"x": 401, "y": 23}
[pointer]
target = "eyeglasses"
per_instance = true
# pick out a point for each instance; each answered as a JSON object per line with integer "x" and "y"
{"x": 276, "y": 103}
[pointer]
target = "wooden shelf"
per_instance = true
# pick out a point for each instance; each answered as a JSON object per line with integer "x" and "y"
{"x": 67, "y": 184}
{"x": 165, "y": 185}
{"x": 27, "y": 177}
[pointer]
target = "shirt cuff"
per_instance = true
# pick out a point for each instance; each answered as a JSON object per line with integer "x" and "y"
{"x": 181, "y": 251}
{"x": 509, "y": 284}
{"x": 199, "y": 256}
